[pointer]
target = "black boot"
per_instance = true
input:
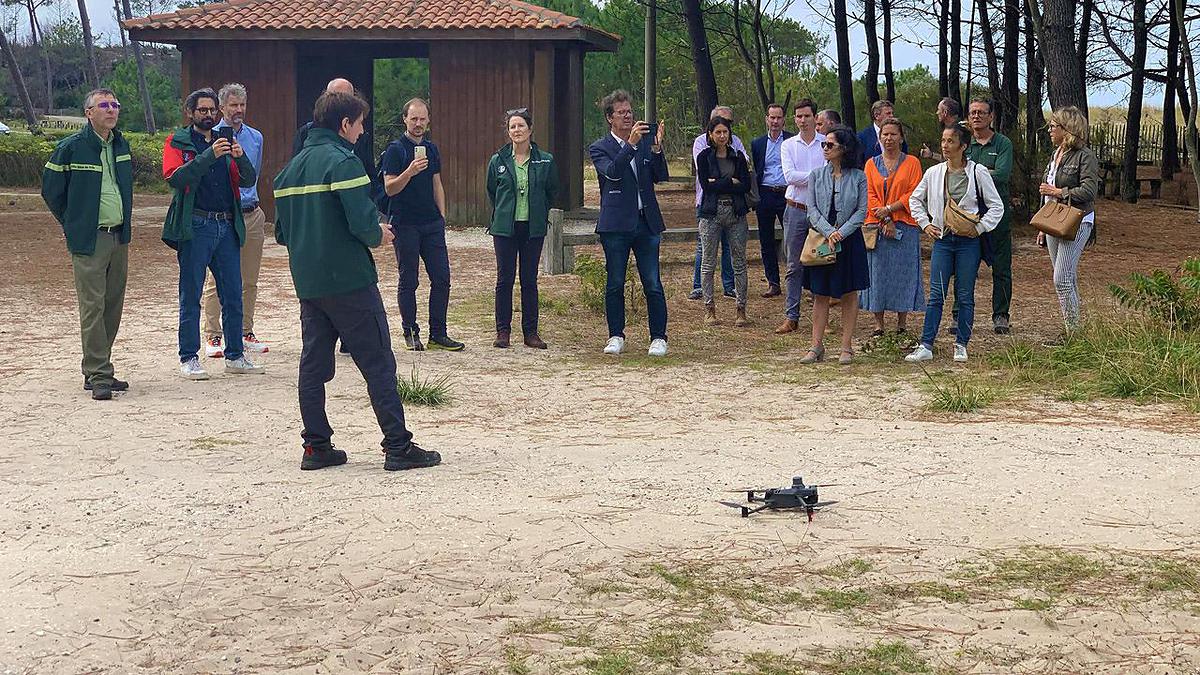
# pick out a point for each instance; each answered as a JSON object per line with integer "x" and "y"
{"x": 412, "y": 340}
{"x": 412, "y": 457}
{"x": 320, "y": 457}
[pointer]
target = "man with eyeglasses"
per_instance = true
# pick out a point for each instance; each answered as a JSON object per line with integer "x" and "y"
{"x": 800, "y": 155}
{"x": 205, "y": 227}
{"x": 995, "y": 151}
{"x": 88, "y": 186}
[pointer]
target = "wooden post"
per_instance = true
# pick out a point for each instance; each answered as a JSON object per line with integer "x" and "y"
{"x": 557, "y": 258}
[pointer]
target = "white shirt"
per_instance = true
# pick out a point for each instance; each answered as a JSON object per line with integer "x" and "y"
{"x": 799, "y": 160}
{"x": 1089, "y": 217}
{"x": 632, "y": 163}
{"x": 698, "y": 147}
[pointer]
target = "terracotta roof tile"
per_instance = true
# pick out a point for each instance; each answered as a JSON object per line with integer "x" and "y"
{"x": 364, "y": 15}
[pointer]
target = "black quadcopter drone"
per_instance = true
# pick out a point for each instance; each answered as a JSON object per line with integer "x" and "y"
{"x": 798, "y": 496}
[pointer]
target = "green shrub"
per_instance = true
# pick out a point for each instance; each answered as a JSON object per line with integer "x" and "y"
{"x": 1175, "y": 302}
{"x": 23, "y": 157}
{"x": 593, "y": 278}
{"x": 432, "y": 392}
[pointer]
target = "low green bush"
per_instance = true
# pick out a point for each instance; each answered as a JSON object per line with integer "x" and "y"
{"x": 593, "y": 278}
{"x": 1175, "y": 302}
{"x": 23, "y": 157}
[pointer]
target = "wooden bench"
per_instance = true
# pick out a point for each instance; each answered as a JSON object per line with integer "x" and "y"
{"x": 1150, "y": 176}
{"x": 558, "y": 253}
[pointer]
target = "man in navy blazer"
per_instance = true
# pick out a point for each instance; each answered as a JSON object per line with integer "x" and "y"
{"x": 627, "y": 167}
{"x": 765, "y": 152}
{"x": 868, "y": 139}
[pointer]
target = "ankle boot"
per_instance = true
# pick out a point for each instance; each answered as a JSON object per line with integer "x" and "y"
{"x": 741, "y": 320}
{"x": 502, "y": 339}
{"x": 710, "y": 315}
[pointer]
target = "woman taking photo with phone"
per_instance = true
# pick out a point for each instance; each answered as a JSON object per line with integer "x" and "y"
{"x": 954, "y": 203}
{"x": 724, "y": 177}
{"x": 837, "y": 208}
{"x": 522, "y": 182}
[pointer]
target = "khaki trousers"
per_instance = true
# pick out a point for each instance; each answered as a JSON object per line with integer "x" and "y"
{"x": 100, "y": 289}
{"x": 252, "y": 252}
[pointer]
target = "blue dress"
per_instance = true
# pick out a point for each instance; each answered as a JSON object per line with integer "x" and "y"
{"x": 849, "y": 272}
{"x": 895, "y": 271}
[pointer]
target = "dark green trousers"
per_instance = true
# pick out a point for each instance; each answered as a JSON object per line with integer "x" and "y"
{"x": 100, "y": 289}
{"x": 1001, "y": 240}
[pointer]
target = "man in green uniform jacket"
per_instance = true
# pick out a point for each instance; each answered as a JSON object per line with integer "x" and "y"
{"x": 995, "y": 151}
{"x": 88, "y": 185}
{"x": 325, "y": 217}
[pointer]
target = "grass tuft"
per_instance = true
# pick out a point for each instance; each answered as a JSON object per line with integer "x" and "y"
{"x": 433, "y": 392}
{"x": 959, "y": 395}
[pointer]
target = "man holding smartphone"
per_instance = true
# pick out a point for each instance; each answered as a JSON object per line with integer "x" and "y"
{"x": 412, "y": 178}
{"x": 205, "y": 227}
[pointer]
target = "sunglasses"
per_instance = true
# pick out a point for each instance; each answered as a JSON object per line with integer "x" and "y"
{"x": 106, "y": 105}
{"x": 829, "y": 146}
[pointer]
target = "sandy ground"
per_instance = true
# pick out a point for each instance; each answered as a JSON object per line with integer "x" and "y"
{"x": 170, "y": 530}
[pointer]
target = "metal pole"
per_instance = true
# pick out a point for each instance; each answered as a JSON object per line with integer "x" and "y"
{"x": 651, "y": 61}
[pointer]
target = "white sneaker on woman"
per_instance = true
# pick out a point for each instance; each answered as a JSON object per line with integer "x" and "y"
{"x": 658, "y": 347}
{"x": 960, "y": 353}
{"x": 616, "y": 345}
{"x": 921, "y": 353}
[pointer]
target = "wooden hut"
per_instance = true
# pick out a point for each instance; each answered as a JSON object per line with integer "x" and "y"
{"x": 484, "y": 57}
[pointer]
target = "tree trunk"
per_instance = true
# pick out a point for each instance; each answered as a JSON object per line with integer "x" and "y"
{"x": 706, "y": 80}
{"x": 845, "y": 73}
{"x": 872, "y": 74}
{"x": 15, "y": 69}
{"x": 1187, "y": 67}
{"x": 147, "y": 105}
{"x": 1137, "y": 89}
{"x": 1081, "y": 47}
{"x": 943, "y": 50}
{"x": 1170, "y": 135}
{"x": 93, "y": 73}
{"x": 1056, "y": 36}
{"x": 889, "y": 76}
{"x": 1034, "y": 120}
{"x": 1010, "y": 98}
{"x": 120, "y": 31}
{"x": 35, "y": 32}
{"x": 989, "y": 51}
{"x": 954, "y": 72}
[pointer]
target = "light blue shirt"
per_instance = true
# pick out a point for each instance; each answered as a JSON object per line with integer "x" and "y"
{"x": 773, "y": 163}
{"x": 251, "y": 140}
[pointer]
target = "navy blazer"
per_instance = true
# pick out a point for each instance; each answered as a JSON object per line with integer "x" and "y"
{"x": 619, "y": 187}
{"x": 758, "y": 154}
{"x": 868, "y": 143}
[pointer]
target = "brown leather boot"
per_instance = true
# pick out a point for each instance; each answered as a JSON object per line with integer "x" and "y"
{"x": 502, "y": 339}
{"x": 532, "y": 340}
{"x": 741, "y": 321}
{"x": 710, "y": 315}
{"x": 787, "y": 326}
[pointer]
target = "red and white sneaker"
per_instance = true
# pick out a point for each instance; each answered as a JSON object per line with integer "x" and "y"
{"x": 253, "y": 344}
{"x": 212, "y": 348}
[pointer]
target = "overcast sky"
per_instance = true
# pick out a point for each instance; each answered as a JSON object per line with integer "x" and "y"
{"x": 904, "y": 55}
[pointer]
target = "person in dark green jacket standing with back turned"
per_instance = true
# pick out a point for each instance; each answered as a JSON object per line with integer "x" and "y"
{"x": 522, "y": 182}
{"x": 325, "y": 217}
{"x": 88, "y": 185}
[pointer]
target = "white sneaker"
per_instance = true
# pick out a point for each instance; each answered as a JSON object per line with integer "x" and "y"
{"x": 212, "y": 348}
{"x": 242, "y": 366}
{"x": 254, "y": 345}
{"x": 658, "y": 347}
{"x": 616, "y": 345}
{"x": 921, "y": 353}
{"x": 960, "y": 353}
{"x": 191, "y": 369}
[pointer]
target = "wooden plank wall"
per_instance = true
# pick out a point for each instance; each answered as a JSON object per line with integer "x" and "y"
{"x": 570, "y": 147}
{"x": 268, "y": 71}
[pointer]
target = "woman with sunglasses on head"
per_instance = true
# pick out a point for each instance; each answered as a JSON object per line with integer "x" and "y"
{"x": 954, "y": 203}
{"x": 837, "y": 208}
{"x": 725, "y": 178}
{"x": 522, "y": 181}
{"x": 1073, "y": 177}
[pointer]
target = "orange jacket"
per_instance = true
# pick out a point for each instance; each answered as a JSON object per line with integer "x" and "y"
{"x": 900, "y": 186}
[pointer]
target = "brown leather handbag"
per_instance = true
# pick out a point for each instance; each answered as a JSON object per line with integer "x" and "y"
{"x": 871, "y": 235}
{"x": 1058, "y": 219}
{"x": 957, "y": 220}
{"x": 809, "y": 256}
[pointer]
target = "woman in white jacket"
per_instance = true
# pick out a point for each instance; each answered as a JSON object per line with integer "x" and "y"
{"x": 946, "y": 206}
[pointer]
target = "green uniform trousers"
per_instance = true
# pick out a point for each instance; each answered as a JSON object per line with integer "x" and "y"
{"x": 1001, "y": 240}
{"x": 100, "y": 289}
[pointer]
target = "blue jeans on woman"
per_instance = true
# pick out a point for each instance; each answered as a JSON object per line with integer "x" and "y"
{"x": 958, "y": 257}
{"x": 213, "y": 246}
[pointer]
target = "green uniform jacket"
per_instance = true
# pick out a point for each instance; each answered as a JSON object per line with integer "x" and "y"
{"x": 71, "y": 187}
{"x": 325, "y": 217}
{"x": 997, "y": 156}
{"x": 184, "y": 169}
{"x": 502, "y": 190}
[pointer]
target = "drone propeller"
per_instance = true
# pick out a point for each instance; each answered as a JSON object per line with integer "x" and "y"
{"x": 730, "y": 504}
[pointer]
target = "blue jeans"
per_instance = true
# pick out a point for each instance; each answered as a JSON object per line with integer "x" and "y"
{"x": 644, "y": 243}
{"x": 726, "y": 266}
{"x": 958, "y": 257}
{"x": 415, "y": 244}
{"x": 213, "y": 246}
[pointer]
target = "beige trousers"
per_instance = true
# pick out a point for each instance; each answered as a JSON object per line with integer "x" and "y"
{"x": 252, "y": 252}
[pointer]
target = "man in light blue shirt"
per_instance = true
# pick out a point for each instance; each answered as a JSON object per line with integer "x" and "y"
{"x": 766, "y": 153}
{"x": 698, "y": 146}
{"x": 232, "y": 99}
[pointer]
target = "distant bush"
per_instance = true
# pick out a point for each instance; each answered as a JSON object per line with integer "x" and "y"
{"x": 593, "y": 277}
{"x": 23, "y": 157}
{"x": 1175, "y": 302}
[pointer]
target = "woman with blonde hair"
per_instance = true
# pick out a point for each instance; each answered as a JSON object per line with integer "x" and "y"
{"x": 1073, "y": 177}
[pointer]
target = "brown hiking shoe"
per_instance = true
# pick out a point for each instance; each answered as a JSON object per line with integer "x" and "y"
{"x": 710, "y": 315}
{"x": 787, "y": 326}
{"x": 502, "y": 339}
{"x": 534, "y": 341}
{"x": 741, "y": 321}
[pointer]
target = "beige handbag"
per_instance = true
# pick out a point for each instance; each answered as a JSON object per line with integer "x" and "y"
{"x": 957, "y": 220}
{"x": 809, "y": 256}
{"x": 1058, "y": 219}
{"x": 871, "y": 235}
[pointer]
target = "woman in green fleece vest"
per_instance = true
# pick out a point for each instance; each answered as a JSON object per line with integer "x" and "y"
{"x": 522, "y": 182}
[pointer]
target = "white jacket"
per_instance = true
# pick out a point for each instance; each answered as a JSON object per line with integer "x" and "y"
{"x": 928, "y": 201}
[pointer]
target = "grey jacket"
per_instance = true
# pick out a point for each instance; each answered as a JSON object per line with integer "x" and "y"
{"x": 1079, "y": 172}
{"x": 851, "y": 200}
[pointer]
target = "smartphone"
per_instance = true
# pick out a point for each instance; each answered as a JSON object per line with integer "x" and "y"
{"x": 824, "y": 250}
{"x": 226, "y": 133}
{"x": 419, "y": 152}
{"x": 650, "y": 135}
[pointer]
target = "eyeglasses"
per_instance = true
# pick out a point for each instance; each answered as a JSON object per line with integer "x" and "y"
{"x": 979, "y": 113}
{"x": 829, "y": 146}
{"x": 206, "y": 111}
{"x": 623, "y": 113}
{"x": 516, "y": 111}
{"x": 1054, "y": 125}
{"x": 106, "y": 105}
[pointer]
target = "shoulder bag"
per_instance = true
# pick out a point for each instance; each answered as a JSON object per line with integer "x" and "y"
{"x": 958, "y": 220}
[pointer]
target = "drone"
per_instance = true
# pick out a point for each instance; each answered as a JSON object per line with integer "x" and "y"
{"x": 798, "y": 496}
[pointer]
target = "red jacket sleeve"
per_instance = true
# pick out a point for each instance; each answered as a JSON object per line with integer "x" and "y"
{"x": 172, "y": 159}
